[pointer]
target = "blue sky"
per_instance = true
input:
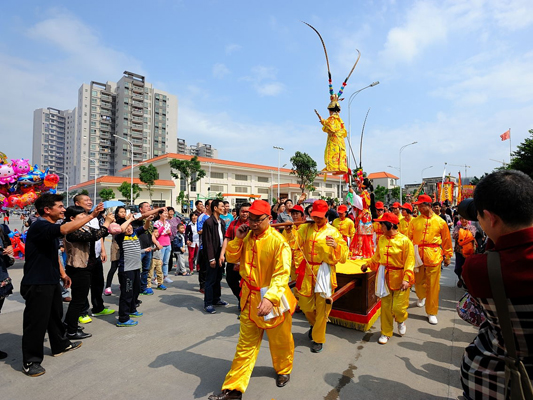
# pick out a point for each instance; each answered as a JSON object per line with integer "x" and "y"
{"x": 454, "y": 75}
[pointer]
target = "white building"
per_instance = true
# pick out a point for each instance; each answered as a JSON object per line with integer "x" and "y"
{"x": 198, "y": 149}
{"x": 385, "y": 179}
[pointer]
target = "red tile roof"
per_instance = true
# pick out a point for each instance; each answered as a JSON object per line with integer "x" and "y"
{"x": 377, "y": 175}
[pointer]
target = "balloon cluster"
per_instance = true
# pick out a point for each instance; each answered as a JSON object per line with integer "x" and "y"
{"x": 21, "y": 184}
{"x": 18, "y": 243}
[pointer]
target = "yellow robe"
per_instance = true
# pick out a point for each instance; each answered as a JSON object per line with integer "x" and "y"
{"x": 312, "y": 241}
{"x": 264, "y": 262}
{"x": 345, "y": 227}
{"x": 377, "y": 229}
{"x": 397, "y": 254}
{"x": 433, "y": 239}
{"x": 335, "y": 153}
{"x": 403, "y": 228}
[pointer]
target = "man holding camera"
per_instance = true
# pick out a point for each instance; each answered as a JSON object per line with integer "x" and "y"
{"x": 503, "y": 206}
{"x": 431, "y": 238}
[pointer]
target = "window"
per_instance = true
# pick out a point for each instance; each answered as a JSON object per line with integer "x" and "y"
{"x": 329, "y": 185}
{"x": 241, "y": 189}
{"x": 217, "y": 188}
{"x": 183, "y": 184}
{"x": 263, "y": 179}
{"x": 316, "y": 194}
{"x": 217, "y": 175}
{"x": 239, "y": 177}
{"x": 193, "y": 185}
{"x": 263, "y": 191}
{"x": 159, "y": 203}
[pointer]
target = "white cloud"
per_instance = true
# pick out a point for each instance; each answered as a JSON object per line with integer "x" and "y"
{"x": 232, "y": 48}
{"x": 513, "y": 14}
{"x": 220, "y": 70}
{"x": 264, "y": 81}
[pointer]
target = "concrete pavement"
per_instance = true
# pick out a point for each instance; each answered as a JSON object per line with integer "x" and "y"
{"x": 179, "y": 352}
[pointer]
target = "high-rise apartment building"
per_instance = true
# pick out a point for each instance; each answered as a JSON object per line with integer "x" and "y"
{"x": 51, "y": 127}
{"x": 198, "y": 149}
{"x": 131, "y": 109}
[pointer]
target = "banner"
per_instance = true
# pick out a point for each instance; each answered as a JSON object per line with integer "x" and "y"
{"x": 445, "y": 191}
{"x": 468, "y": 191}
{"x": 459, "y": 189}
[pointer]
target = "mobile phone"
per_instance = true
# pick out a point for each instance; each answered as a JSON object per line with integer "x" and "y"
{"x": 137, "y": 215}
{"x": 128, "y": 212}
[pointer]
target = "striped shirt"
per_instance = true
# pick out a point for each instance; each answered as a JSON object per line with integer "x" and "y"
{"x": 130, "y": 250}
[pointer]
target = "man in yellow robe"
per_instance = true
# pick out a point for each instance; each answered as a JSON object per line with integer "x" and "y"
{"x": 320, "y": 243}
{"x": 431, "y": 237}
{"x": 265, "y": 260}
{"x": 407, "y": 214}
{"x": 344, "y": 225}
{"x": 396, "y": 253}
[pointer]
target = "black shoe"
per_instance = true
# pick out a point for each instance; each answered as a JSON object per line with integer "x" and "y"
{"x": 139, "y": 302}
{"x": 3, "y": 355}
{"x": 316, "y": 347}
{"x": 226, "y": 395}
{"x": 33, "y": 369}
{"x": 282, "y": 380}
{"x": 78, "y": 335}
{"x": 72, "y": 346}
{"x": 310, "y": 333}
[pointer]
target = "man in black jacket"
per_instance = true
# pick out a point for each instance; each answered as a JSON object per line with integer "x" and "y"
{"x": 213, "y": 232}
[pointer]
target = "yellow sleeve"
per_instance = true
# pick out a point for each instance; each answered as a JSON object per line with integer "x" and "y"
{"x": 409, "y": 261}
{"x": 373, "y": 263}
{"x": 281, "y": 275}
{"x": 234, "y": 250}
{"x": 352, "y": 229}
{"x": 410, "y": 230}
{"x": 340, "y": 253}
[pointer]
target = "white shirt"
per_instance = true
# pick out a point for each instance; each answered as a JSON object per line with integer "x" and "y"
{"x": 93, "y": 223}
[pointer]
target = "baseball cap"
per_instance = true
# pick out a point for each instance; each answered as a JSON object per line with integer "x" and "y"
{"x": 297, "y": 208}
{"x": 423, "y": 198}
{"x": 320, "y": 208}
{"x": 407, "y": 206}
{"x": 342, "y": 208}
{"x": 388, "y": 217}
{"x": 260, "y": 207}
{"x": 380, "y": 205}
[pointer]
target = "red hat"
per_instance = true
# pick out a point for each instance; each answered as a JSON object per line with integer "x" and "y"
{"x": 396, "y": 205}
{"x": 297, "y": 207}
{"x": 407, "y": 206}
{"x": 260, "y": 207}
{"x": 320, "y": 208}
{"x": 423, "y": 198}
{"x": 380, "y": 205}
{"x": 342, "y": 208}
{"x": 388, "y": 217}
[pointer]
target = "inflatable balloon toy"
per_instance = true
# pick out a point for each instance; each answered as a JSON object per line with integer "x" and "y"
{"x": 21, "y": 167}
{"x": 51, "y": 181}
{"x": 7, "y": 175}
{"x": 19, "y": 248}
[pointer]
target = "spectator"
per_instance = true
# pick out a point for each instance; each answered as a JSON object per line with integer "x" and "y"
{"x": 331, "y": 215}
{"x": 6, "y": 287}
{"x": 212, "y": 239}
{"x": 200, "y": 209}
{"x": 437, "y": 209}
{"x": 202, "y": 261}
{"x": 40, "y": 286}
{"x": 285, "y": 215}
{"x": 156, "y": 265}
{"x": 503, "y": 201}
{"x": 226, "y": 216}
{"x": 120, "y": 218}
{"x": 77, "y": 248}
{"x": 463, "y": 230}
{"x": 181, "y": 252}
{"x": 193, "y": 241}
{"x": 163, "y": 226}
{"x": 174, "y": 221}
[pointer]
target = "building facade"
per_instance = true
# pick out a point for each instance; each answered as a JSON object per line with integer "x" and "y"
{"x": 198, "y": 149}
{"x": 113, "y": 122}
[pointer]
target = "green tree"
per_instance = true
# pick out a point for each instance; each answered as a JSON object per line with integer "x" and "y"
{"x": 190, "y": 170}
{"x": 180, "y": 199}
{"x": 219, "y": 196}
{"x": 107, "y": 194}
{"x": 304, "y": 167}
{"x": 522, "y": 158}
{"x": 381, "y": 193}
{"x": 475, "y": 180}
{"x": 85, "y": 192}
{"x": 125, "y": 190}
{"x": 148, "y": 175}
{"x": 395, "y": 193}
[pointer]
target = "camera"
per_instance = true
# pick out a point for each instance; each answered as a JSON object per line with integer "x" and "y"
{"x": 467, "y": 209}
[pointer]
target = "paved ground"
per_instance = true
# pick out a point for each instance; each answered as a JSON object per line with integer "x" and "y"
{"x": 179, "y": 352}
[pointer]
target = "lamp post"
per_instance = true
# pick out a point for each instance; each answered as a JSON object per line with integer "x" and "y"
{"x": 279, "y": 163}
{"x": 350, "y": 99}
{"x": 422, "y": 174}
{"x": 131, "y": 178}
{"x": 401, "y": 149}
{"x": 66, "y": 179}
{"x": 95, "y": 174}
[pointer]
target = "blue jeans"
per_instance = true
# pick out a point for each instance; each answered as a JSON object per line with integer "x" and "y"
{"x": 146, "y": 260}
{"x": 165, "y": 256}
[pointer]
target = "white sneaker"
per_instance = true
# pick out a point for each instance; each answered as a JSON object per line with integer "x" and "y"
{"x": 432, "y": 319}
{"x": 383, "y": 339}
{"x": 168, "y": 280}
{"x": 402, "y": 328}
{"x": 421, "y": 303}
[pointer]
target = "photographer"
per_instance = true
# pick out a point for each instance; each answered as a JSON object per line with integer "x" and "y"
{"x": 503, "y": 206}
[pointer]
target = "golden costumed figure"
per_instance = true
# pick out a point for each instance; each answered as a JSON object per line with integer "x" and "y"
{"x": 335, "y": 153}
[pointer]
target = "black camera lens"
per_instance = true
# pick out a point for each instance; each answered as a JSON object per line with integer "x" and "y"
{"x": 467, "y": 209}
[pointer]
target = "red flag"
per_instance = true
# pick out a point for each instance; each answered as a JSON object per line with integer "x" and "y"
{"x": 506, "y": 135}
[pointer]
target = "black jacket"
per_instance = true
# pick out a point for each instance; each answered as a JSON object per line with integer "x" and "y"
{"x": 211, "y": 243}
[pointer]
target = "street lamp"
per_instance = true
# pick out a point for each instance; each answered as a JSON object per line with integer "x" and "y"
{"x": 390, "y": 166}
{"x": 350, "y": 99}
{"x": 131, "y": 179}
{"x": 422, "y": 173}
{"x": 95, "y": 174}
{"x": 66, "y": 179}
{"x": 401, "y": 149}
{"x": 279, "y": 163}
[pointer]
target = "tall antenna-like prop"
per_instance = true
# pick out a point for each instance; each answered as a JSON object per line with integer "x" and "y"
{"x": 361, "y": 144}
{"x": 327, "y": 59}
